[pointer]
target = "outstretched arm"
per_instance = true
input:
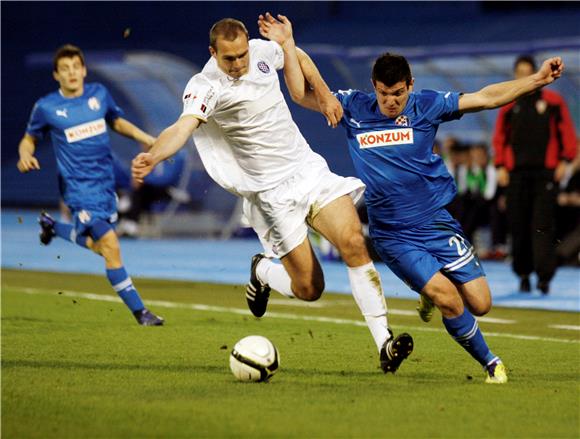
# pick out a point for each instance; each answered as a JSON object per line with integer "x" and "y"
{"x": 127, "y": 129}
{"x": 168, "y": 143}
{"x": 304, "y": 81}
{"x": 317, "y": 96}
{"x": 502, "y": 93}
{"x": 26, "y": 148}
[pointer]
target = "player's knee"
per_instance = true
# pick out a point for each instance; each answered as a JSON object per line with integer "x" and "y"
{"x": 479, "y": 299}
{"x": 448, "y": 305}
{"x": 481, "y": 308}
{"x": 357, "y": 243}
{"x": 309, "y": 292}
{"x": 109, "y": 249}
{"x": 353, "y": 247}
{"x": 448, "y": 301}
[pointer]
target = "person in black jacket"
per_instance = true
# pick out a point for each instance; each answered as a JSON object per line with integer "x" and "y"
{"x": 534, "y": 141}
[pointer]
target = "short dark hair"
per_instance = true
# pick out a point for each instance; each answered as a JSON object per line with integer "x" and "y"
{"x": 391, "y": 68}
{"x": 227, "y": 28}
{"x": 527, "y": 59}
{"x": 67, "y": 51}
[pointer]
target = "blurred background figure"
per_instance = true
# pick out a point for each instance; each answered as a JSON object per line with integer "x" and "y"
{"x": 157, "y": 190}
{"x": 534, "y": 139}
{"x": 77, "y": 117}
{"x": 568, "y": 217}
{"x": 483, "y": 220}
{"x": 456, "y": 157}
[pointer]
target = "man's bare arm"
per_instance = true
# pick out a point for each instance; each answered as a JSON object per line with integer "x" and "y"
{"x": 128, "y": 129}
{"x": 315, "y": 85}
{"x": 501, "y": 93}
{"x": 168, "y": 143}
{"x": 26, "y": 147}
{"x": 305, "y": 83}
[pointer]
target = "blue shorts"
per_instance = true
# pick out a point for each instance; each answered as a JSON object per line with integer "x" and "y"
{"x": 92, "y": 203}
{"x": 416, "y": 254}
{"x": 93, "y": 223}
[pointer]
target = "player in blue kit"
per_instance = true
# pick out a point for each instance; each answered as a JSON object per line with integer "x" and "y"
{"x": 390, "y": 134}
{"x": 76, "y": 116}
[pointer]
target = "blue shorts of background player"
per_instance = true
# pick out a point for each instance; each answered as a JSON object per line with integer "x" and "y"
{"x": 93, "y": 223}
{"x": 415, "y": 255}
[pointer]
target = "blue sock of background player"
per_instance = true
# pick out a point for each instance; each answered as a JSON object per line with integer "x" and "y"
{"x": 123, "y": 285}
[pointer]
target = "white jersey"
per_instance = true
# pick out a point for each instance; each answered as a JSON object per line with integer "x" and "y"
{"x": 249, "y": 142}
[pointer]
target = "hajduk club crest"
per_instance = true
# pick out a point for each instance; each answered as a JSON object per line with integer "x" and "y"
{"x": 263, "y": 67}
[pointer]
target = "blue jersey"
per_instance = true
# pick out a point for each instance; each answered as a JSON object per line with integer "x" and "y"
{"x": 406, "y": 182}
{"x": 78, "y": 130}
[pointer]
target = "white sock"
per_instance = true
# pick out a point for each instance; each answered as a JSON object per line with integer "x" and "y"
{"x": 275, "y": 276}
{"x": 367, "y": 291}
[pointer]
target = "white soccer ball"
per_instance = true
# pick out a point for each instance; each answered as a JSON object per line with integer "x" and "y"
{"x": 254, "y": 358}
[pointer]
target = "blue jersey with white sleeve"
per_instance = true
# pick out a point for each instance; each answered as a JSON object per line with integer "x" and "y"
{"x": 407, "y": 184}
{"x": 78, "y": 131}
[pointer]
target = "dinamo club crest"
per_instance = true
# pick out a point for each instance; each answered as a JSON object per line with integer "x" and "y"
{"x": 94, "y": 104}
{"x": 402, "y": 121}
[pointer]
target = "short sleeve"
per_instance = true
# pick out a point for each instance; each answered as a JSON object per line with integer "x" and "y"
{"x": 113, "y": 110}
{"x": 37, "y": 124}
{"x": 344, "y": 97}
{"x": 271, "y": 51}
{"x": 199, "y": 98}
{"x": 440, "y": 106}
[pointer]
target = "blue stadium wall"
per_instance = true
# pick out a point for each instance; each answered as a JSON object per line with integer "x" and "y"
{"x": 181, "y": 28}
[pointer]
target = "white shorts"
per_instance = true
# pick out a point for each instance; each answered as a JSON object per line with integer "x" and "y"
{"x": 279, "y": 215}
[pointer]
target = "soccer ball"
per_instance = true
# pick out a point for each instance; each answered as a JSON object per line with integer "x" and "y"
{"x": 254, "y": 358}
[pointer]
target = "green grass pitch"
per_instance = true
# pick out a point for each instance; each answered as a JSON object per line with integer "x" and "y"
{"x": 74, "y": 366}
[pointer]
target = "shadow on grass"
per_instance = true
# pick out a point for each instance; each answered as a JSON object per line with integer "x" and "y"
{"x": 418, "y": 376}
{"x": 47, "y": 364}
{"x": 14, "y": 364}
{"x": 25, "y": 319}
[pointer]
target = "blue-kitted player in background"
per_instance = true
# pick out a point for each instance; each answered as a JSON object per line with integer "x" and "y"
{"x": 391, "y": 133}
{"x": 76, "y": 116}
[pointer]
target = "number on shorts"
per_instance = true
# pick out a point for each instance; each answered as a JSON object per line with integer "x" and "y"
{"x": 459, "y": 242}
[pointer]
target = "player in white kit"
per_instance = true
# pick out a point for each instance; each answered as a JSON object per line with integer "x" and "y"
{"x": 250, "y": 146}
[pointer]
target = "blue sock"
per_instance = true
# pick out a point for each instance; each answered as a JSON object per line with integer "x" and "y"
{"x": 465, "y": 330}
{"x": 123, "y": 285}
{"x": 66, "y": 231}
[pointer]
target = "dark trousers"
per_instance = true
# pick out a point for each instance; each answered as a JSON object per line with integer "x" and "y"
{"x": 498, "y": 223}
{"x": 531, "y": 204}
{"x": 143, "y": 198}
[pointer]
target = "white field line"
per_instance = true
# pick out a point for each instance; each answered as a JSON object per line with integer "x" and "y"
{"x": 496, "y": 320}
{"x": 271, "y": 314}
{"x": 570, "y": 327}
{"x": 298, "y": 303}
{"x": 398, "y": 312}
